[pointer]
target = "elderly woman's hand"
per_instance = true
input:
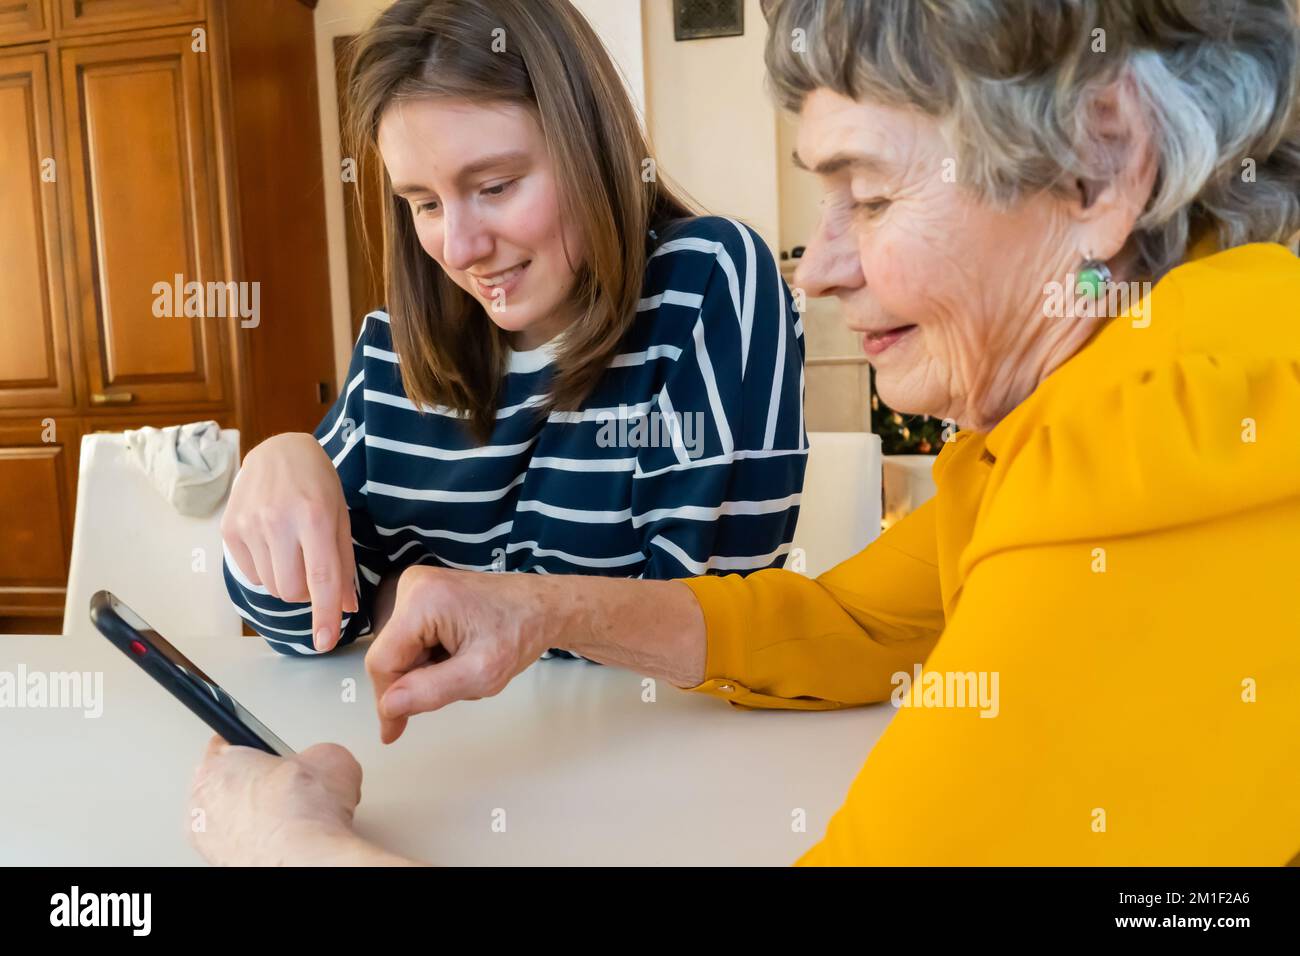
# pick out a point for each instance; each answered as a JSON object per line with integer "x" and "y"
{"x": 454, "y": 636}
{"x": 464, "y": 635}
{"x": 249, "y": 808}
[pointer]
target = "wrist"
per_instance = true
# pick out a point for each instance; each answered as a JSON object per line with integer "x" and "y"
{"x": 551, "y": 619}
{"x": 655, "y": 628}
{"x": 310, "y": 843}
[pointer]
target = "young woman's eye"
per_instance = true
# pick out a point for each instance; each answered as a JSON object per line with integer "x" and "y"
{"x": 500, "y": 189}
{"x": 429, "y": 206}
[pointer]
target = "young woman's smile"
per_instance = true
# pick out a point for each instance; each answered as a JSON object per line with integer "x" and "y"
{"x": 494, "y": 285}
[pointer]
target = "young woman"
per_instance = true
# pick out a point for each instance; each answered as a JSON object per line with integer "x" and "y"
{"x": 573, "y": 374}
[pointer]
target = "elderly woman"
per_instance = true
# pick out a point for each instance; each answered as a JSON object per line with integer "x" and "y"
{"x": 1113, "y": 545}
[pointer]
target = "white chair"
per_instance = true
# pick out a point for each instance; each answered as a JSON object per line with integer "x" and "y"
{"x": 909, "y": 483}
{"x": 840, "y": 510}
{"x": 128, "y": 539}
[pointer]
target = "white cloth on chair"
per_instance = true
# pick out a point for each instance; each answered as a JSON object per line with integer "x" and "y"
{"x": 189, "y": 464}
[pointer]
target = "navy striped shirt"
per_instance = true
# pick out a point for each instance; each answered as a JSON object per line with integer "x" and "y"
{"x": 687, "y": 457}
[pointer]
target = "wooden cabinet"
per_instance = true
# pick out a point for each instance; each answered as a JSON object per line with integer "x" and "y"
{"x": 150, "y": 148}
{"x": 77, "y": 17}
{"x": 24, "y": 21}
{"x": 139, "y": 170}
{"x": 38, "y": 479}
{"x": 35, "y": 356}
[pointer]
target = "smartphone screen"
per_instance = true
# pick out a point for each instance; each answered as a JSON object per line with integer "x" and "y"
{"x": 181, "y": 668}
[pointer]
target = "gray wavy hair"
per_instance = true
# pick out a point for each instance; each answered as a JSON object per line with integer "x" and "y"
{"x": 1014, "y": 81}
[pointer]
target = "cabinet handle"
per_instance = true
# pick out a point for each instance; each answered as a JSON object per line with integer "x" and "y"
{"x": 112, "y": 398}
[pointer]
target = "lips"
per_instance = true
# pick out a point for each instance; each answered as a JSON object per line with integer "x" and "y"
{"x": 874, "y": 343}
{"x": 492, "y": 283}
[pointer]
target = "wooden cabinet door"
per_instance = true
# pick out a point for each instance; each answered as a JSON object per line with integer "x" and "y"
{"x": 94, "y": 426}
{"x": 23, "y": 21}
{"x": 78, "y": 17}
{"x": 35, "y": 357}
{"x": 142, "y": 179}
{"x": 38, "y": 477}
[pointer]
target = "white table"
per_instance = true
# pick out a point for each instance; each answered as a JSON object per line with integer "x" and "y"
{"x": 586, "y": 772}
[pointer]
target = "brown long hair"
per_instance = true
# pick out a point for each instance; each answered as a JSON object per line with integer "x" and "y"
{"x": 553, "y": 63}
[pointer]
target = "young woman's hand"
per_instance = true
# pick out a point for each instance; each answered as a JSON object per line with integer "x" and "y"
{"x": 286, "y": 526}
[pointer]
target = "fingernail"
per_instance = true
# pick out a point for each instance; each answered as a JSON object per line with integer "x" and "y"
{"x": 322, "y": 636}
{"x": 396, "y": 702}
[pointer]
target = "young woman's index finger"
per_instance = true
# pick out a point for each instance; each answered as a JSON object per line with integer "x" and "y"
{"x": 326, "y": 582}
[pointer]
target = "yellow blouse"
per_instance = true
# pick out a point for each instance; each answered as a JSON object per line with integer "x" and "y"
{"x": 1103, "y": 599}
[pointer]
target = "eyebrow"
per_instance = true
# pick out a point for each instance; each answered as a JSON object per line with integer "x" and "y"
{"x": 469, "y": 170}
{"x": 840, "y": 161}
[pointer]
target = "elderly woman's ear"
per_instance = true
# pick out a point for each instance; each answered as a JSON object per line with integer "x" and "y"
{"x": 1104, "y": 211}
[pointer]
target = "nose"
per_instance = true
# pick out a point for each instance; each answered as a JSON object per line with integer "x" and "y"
{"x": 830, "y": 264}
{"x": 464, "y": 240}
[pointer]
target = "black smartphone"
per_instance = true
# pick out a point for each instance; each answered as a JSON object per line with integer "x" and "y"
{"x": 177, "y": 673}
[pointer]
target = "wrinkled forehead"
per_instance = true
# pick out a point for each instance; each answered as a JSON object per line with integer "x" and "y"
{"x": 836, "y": 133}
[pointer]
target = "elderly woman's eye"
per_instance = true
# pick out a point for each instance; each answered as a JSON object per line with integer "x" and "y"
{"x": 870, "y": 207}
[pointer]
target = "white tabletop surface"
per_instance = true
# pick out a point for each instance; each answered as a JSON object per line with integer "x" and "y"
{"x": 585, "y": 770}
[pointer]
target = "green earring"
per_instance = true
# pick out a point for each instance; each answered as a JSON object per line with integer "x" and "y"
{"x": 1093, "y": 277}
